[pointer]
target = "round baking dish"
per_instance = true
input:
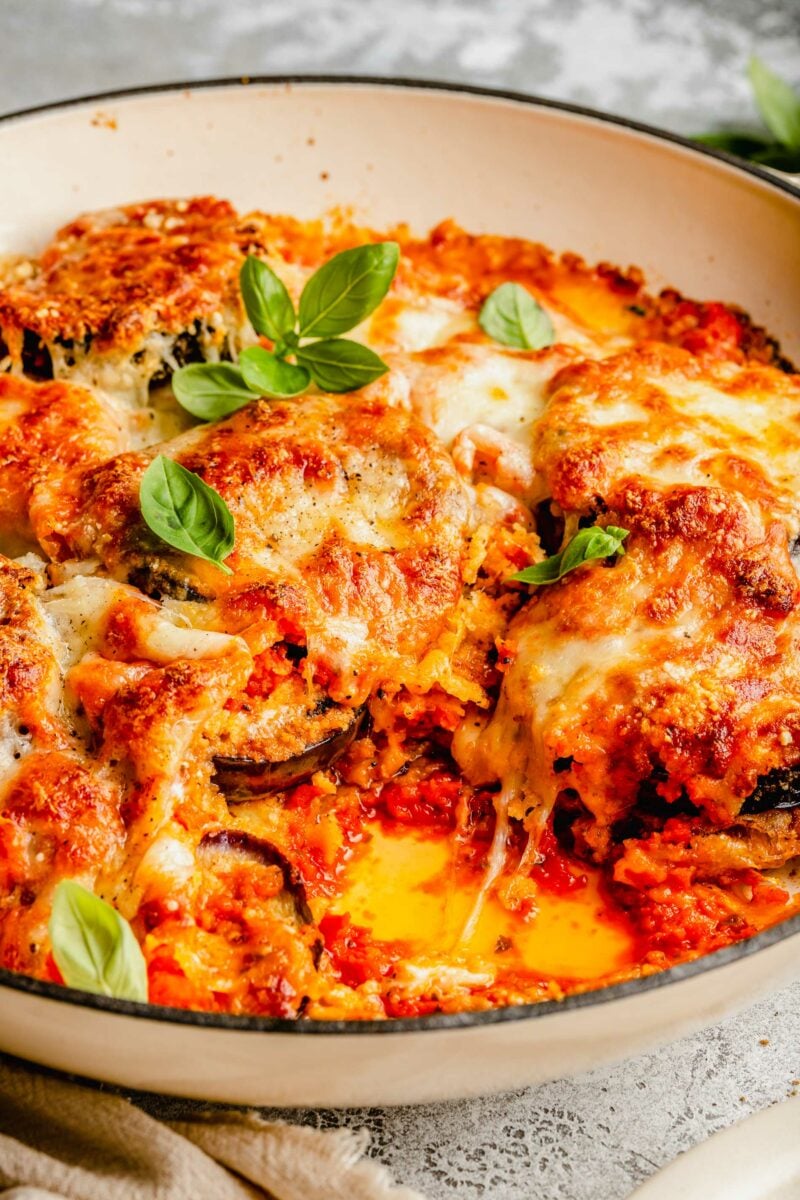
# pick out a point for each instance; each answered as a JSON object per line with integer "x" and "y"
{"x": 606, "y": 188}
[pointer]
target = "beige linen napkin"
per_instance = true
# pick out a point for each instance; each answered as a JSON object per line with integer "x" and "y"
{"x": 61, "y": 1141}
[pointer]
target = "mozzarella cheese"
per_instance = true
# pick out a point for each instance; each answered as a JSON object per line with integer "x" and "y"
{"x": 678, "y": 664}
{"x": 149, "y": 702}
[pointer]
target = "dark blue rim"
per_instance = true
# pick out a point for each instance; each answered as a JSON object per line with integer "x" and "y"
{"x": 442, "y": 1021}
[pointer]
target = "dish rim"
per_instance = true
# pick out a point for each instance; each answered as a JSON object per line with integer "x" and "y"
{"x": 440, "y": 1022}
{"x": 775, "y": 179}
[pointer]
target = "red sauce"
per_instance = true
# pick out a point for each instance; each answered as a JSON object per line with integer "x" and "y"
{"x": 356, "y": 955}
{"x": 559, "y": 873}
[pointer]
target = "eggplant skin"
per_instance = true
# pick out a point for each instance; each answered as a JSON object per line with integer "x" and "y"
{"x": 240, "y": 844}
{"x": 36, "y": 360}
{"x": 240, "y": 778}
{"x": 157, "y": 582}
{"x": 779, "y": 788}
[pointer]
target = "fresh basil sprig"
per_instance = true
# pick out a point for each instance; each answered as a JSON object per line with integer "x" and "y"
{"x": 93, "y": 946}
{"x": 337, "y": 297}
{"x": 185, "y": 512}
{"x": 586, "y": 546}
{"x": 511, "y": 316}
{"x": 779, "y": 106}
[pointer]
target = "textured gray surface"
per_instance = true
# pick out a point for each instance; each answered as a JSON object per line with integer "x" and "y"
{"x": 677, "y": 63}
{"x": 595, "y": 1137}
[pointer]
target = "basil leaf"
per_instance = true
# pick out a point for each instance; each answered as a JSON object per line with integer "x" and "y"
{"x": 512, "y": 317}
{"x": 268, "y": 304}
{"x": 339, "y": 365}
{"x": 211, "y": 391}
{"x": 586, "y": 546}
{"x": 744, "y": 145}
{"x": 271, "y": 376}
{"x": 185, "y": 512}
{"x": 779, "y": 158}
{"x": 777, "y": 102}
{"x": 93, "y": 946}
{"x": 347, "y": 289}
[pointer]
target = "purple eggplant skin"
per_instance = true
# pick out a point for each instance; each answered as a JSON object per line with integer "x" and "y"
{"x": 779, "y": 788}
{"x": 241, "y": 778}
{"x": 239, "y": 843}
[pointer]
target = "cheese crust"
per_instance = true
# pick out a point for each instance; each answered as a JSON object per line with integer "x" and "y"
{"x": 366, "y": 774}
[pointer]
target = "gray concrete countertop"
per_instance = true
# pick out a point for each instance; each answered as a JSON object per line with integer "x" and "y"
{"x": 597, "y": 1136}
{"x": 678, "y": 63}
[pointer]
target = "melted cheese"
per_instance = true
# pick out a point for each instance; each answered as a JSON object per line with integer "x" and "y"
{"x": 48, "y": 433}
{"x": 400, "y": 887}
{"x": 122, "y": 295}
{"x": 374, "y": 533}
{"x": 656, "y": 415}
{"x": 350, "y": 524}
{"x": 483, "y": 402}
{"x": 81, "y": 609}
{"x": 681, "y": 661}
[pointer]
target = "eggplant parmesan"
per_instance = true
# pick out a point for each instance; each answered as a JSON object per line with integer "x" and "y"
{"x": 470, "y": 678}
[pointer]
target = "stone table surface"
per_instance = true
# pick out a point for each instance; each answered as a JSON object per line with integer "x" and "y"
{"x": 678, "y": 63}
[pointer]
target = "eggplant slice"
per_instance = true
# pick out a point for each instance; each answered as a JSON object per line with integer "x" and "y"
{"x": 780, "y": 788}
{"x": 227, "y": 845}
{"x": 282, "y": 741}
{"x": 244, "y": 777}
